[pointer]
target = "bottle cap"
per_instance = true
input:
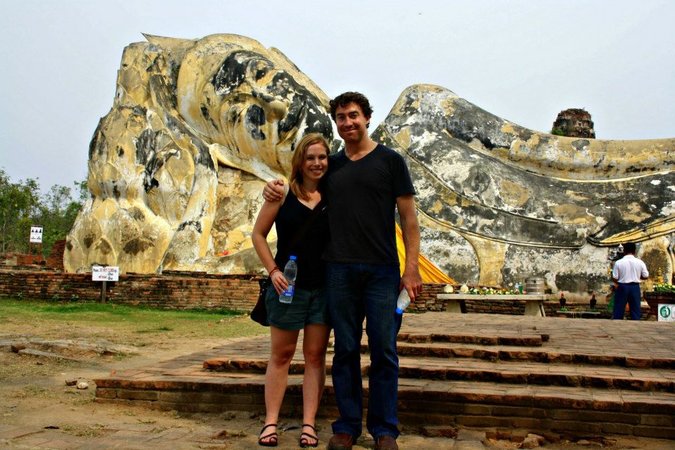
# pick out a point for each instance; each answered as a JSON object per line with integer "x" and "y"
{"x": 399, "y": 311}
{"x": 293, "y": 258}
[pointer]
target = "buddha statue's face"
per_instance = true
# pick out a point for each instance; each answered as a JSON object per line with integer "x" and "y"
{"x": 255, "y": 110}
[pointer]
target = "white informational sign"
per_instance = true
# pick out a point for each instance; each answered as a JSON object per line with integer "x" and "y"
{"x": 105, "y": 273}
{"x": 665, "y": 313}
{"x": 35, "y": 235}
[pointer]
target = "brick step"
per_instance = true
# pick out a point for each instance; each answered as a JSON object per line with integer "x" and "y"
{"x": 183, "y": 383}
{"x": 254, "y": 348}
{"x": 519, "y": 339}
{"x": 540, "y": 355}
{"x": 534, "y": 407}
{"x": 421, "y": 402}
{"x": 427, "y": 368}
{"x": 551, "y": 374}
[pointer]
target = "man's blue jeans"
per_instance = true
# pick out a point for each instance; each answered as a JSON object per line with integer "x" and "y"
{"x": 627, "y": 293}
{"x": 355, "y": 291}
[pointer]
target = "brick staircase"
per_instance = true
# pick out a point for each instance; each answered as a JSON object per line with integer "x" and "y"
{"x": 583, "y": 377}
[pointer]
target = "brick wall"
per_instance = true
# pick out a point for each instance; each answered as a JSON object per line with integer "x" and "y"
{"x": 191, "y": 290}
{"x": 429, "y": 302}
{"x": 171, "y": 290}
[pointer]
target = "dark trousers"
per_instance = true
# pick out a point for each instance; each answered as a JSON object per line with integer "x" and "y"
{"x": 627, "y": 293}
{"x": 355, "y": 292}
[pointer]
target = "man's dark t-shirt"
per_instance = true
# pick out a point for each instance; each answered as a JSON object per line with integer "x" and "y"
{"x": 361, "y": 206}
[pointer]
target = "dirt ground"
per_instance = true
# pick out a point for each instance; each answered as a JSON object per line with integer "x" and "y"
{"x": 38, "y": 409}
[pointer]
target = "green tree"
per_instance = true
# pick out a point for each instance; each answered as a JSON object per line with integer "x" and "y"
{"x": 18, "y": 204}
{"x": 57, "y": 213}
{"x": 22, "y": 206}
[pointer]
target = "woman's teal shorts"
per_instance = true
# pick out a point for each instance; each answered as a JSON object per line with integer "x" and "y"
{"x": 308, "y": 307}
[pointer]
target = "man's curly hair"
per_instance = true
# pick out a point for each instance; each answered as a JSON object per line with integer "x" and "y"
{"x": 343, "y": 100}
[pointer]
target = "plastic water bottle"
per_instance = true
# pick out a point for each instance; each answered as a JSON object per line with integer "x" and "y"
{"x": 403, "y": 301}
{"x": 290, "y": 273}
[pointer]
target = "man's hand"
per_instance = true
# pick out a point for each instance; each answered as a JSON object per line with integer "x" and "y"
{"x": 274, "y": 190}
{"x": 412, "y": 282}
{"x": 411, "y": 279}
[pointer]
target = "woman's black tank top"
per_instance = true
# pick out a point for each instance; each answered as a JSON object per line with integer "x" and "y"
{"x": 309, "y": 247}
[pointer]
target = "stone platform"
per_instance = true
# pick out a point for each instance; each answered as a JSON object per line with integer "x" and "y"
{"x": 474, "y": 370}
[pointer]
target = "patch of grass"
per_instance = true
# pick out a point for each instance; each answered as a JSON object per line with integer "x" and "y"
{"x": 155, "y": 330}
{"x": 33, "y": 391}
{"x": 94, "y": 308}
{"x": 81, "y": 401}
{"x": 96, "y": 430}
{"x": 112, "y": 321}
{"x": 147, "y": 421}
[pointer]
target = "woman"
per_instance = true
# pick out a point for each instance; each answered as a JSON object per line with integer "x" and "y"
{"x": 307, "y": 311}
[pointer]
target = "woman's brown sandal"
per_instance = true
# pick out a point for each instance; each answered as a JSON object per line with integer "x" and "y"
{"x": 305, "y": 437}
{"x": 268, "y": 440}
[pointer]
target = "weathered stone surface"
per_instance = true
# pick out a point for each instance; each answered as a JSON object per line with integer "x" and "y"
{"x": 66, "y": 348}
{"x": 48, "y": 355}
{"x": 197, "y": 126}
{"x": 515, "y": 203}
{"x": 177, "y": 166}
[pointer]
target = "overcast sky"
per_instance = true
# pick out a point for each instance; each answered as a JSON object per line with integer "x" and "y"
{"x": 524, "y": 61}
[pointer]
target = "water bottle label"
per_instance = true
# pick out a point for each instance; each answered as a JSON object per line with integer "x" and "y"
{"x": 287, "y": 295}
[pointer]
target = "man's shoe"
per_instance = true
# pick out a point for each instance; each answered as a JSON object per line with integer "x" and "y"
{"x": 341, "y": 441}
{"x": 386, "y": 442}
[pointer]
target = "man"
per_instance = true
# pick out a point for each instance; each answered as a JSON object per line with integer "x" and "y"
{"x": 366, "y": 183}
{"x": 627, "y": 273}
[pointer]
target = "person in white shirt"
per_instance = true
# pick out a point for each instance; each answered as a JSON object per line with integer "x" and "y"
{"x": 627, "y": 274}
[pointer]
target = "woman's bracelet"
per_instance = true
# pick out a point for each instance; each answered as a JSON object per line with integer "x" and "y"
{"x": 276, "y": 269}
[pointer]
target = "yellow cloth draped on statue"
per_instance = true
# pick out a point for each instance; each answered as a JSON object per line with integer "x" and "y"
{"x": 429, "y": 272}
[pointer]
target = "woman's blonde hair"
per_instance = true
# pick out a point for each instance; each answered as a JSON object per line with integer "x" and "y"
{"x": 299, "y": 159}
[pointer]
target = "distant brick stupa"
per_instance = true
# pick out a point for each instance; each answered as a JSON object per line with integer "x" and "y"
{"x": 574, "y": 122}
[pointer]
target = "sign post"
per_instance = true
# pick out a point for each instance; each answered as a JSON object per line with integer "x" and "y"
{"x": 105, "y": 274}
{"x": 35, "y": 239}
{"x": 665, "y": 313}
{"x": 36, "y": 235}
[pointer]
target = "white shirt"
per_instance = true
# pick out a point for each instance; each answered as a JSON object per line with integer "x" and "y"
{"x": 629, "y": 269}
